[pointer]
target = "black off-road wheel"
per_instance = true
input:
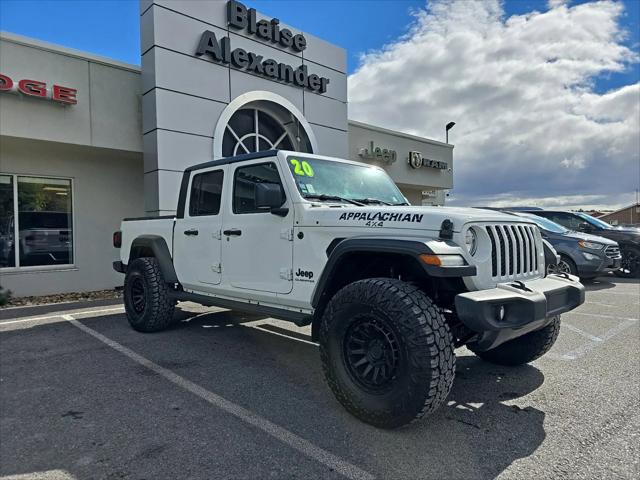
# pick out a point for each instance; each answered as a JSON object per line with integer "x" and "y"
{"x": 387, "y": 352}
{"x": 523, "y": 349}
{"x": 147, "y": 302}
{"x": 630, "y": 265}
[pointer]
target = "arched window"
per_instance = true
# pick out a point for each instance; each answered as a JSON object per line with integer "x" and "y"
{"x": 263, "y": 125}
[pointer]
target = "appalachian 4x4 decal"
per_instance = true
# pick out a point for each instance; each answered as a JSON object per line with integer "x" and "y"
{"x": 382, "y": 217}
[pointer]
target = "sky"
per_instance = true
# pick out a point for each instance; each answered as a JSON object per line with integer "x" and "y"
{"x": 545, "y": 93}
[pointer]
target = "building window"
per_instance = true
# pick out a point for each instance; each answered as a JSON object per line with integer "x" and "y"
{"x": 265, "y": 128}
{"x": 7, "y": 230}
{"x": 37, "y": 212}
{"x": 206, "y": 193}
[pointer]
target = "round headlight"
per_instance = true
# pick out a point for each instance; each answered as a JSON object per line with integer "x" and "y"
{"x": 471, "y": 241}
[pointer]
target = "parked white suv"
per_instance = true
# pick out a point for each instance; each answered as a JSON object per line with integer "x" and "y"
{"x": 389, "y": 289}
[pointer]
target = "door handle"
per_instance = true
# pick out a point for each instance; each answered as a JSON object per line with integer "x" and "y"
{"x": 192, "y": 231}
{"x": 234, "y": 232}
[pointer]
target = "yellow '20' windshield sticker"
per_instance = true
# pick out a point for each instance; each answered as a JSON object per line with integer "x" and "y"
{"x": 301, "y": 168}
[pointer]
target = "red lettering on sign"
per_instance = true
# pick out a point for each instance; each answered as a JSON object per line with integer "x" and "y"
{"x": 33, "y": 88}
{"x": 6, "y": 83}
{"x": 65, "y": 94}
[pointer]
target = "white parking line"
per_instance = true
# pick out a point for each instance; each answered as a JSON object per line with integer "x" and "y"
{"x": 600, "y": 315}
{"x": 290, "y": 337}
{"x": 62, "y": 315}
{"x": 584, "y": 349}
{"x": 568, "y": 326}
{"x": 607, "y": 292}
{"x": 282, "y": 434}
{"x": 609, "y": 304}
{"x": 41, "y": 475}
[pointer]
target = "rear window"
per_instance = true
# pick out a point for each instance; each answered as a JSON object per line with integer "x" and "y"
{"x": 206, "y": 193}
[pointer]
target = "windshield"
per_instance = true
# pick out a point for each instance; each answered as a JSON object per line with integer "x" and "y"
{"x": 346, "y": 180}
{"x": 594, "y": 221}
{"x": 545, "y": 223}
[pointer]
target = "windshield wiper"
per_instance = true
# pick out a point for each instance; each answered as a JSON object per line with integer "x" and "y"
{"x": 333, "y": 197}
{"x": 368, "y": 201}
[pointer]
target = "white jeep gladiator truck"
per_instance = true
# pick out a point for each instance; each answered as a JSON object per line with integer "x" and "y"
{"x": 389, "y": 289}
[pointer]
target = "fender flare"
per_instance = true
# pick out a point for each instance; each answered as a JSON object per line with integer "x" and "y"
{"x": 158, "y": 246}
{"x": 409, "y": 247}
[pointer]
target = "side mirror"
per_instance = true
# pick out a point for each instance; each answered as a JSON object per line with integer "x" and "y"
{"x": 585, "y": 227}
{"x": 269, "y": 196}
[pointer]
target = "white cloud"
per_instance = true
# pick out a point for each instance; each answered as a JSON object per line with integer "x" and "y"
{"x": 529, "y": 124}
{"x": 557, "y": 3}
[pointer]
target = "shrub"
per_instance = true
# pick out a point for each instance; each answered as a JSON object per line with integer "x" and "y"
{"x": 5, "y": 296}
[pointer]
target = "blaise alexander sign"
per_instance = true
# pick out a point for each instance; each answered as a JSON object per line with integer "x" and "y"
{"x": 240, "y": 17}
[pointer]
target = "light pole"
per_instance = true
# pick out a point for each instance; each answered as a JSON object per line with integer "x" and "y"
{"x": 448, "y": 127}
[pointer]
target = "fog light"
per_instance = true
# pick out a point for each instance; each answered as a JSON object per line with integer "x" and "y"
{"x": 500, "y": 313}
{"x": 590, "y": 256}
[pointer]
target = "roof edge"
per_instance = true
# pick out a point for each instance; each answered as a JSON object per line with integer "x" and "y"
{"x": 399, "y": 134}
{"x": 635, "y": 204}
{"x": 69, "y": 52}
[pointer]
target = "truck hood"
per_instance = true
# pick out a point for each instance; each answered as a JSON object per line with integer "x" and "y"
{"x": 414, "y": 217}
{"x": 630, "y": 235}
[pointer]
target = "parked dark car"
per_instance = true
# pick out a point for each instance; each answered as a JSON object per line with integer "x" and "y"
{"x": 628, "y": 238}
{"x": 581, "y": 254}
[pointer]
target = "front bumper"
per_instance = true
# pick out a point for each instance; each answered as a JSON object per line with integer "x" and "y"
{"x": 527, "y": 306}
{"x": 599, "y": 266}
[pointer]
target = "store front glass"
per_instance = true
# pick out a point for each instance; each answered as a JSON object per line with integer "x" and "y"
{"x": 41, "y": 217}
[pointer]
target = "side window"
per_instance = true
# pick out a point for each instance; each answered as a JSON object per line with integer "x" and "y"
{"x": 573, "y": 221}
{"x": 567, "y": 220}
{"x": 206, "y": 193}
{"x": 244, "y": 184}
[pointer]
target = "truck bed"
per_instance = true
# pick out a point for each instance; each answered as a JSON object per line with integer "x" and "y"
{"x": 133, "y": 228}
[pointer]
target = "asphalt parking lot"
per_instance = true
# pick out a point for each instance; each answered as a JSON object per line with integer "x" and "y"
{"x": 223, "y": 395}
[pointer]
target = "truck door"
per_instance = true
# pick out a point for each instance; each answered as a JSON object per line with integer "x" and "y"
{"x": 197, "y": 236}
{"x": 257, "y": 245}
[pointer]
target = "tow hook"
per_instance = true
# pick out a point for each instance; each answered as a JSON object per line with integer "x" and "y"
{"x": 521, "y": 286}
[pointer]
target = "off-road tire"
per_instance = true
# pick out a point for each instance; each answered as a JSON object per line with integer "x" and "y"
{"x": 523, "y": 349}
{"x": 157, "y": 311}
{"x": 425, "y": 366}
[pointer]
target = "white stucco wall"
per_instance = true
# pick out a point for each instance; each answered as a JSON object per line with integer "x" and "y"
{"x": 106, "y": 187}
{"x": 108, "y": 113}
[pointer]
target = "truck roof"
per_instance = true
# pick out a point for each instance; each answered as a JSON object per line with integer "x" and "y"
{"x": 228, "y": 160}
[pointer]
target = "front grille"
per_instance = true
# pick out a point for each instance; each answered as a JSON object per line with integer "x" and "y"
{"x": 612, "y": 252}
{"x": 514, "y": 251}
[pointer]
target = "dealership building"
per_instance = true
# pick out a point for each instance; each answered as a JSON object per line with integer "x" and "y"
{"x": 86, "y": 140}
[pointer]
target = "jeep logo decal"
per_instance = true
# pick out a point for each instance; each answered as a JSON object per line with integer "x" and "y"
{"x": 304, "y": 275}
